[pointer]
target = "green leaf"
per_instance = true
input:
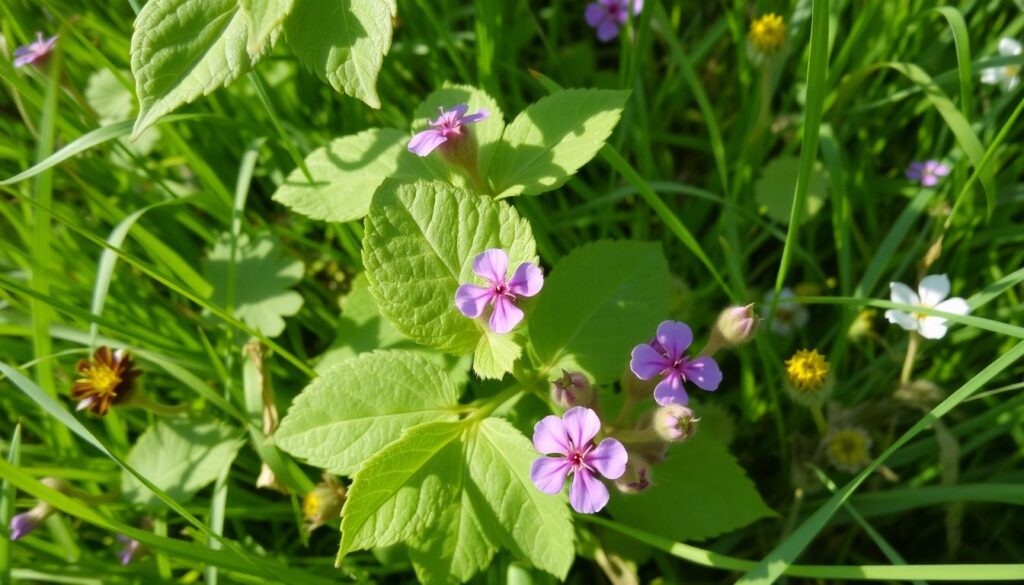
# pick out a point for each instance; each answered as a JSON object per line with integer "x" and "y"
{"x": 495, "y": 355}
{"x": 265, "y": 18}
{"x": 698, "y": 492}
{"x": 183, "y": 49}
{"x": 597, "y": 303}
{"x": 775, "y": 189}
{"x": 343, "y": 42}
{"x": 533, "y": 525}
{"x": 404, "y": 488}
{"x": 262, "y": 274}
{"x": 108, "y": 97}
{"x": 347, "y": 171}
{"x": 455, "y": 549}
{"x": 179, "y": 455}
{"x": 418, "y": 247}
{"x": 486, "y": 133}
{"x": 551, "y": 139}
{"x": 355, "y": 409}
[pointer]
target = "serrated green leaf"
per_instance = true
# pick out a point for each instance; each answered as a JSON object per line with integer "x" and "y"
{"x": 265, "y": 18}
{"x": 183, "y": 49}
{"x": 775, "y": 189}
{"x": 533, "y": 525}
{"x": 455, "y": 549}
{"x": 486, "y": 133}
{"x": 699, "y": 492}
{"x": 343, "y": 42}
{"x": 355, "y": 409}
{"x": 551, "y": 139}
{"x": 418, "y": 247}
{"x": 263, "y": 275}
{"x": 597, "y": 303}
{"x": 495, "y": 355}
{"x": 347, "y": 171}
{"x": 181, "y": 456}
{"x": 404, "y": 488}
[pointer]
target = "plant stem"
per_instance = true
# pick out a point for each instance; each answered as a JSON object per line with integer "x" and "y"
{"x": 819, "y": 419}
{"x": 908, "y": 362}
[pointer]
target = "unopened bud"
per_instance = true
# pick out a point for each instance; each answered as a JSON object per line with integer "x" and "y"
{"x": 324, "y": 503}
{"x": 637, "y": 477}
{"x": 735, "y": 326}
{"x": 573, "y": 389}
{"x": 268, "y": 480}
{"x": 675, "y": 423}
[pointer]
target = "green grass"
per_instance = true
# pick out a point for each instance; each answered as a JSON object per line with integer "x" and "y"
{"x": 100, "y": 244}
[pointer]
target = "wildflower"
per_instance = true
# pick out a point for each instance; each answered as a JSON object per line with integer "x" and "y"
{"x": 789, "y": 315}
{"x": 447, "y": 127}
{"x": 807, "y": 372}
{"x": 664, "y": 357}
{"x": 927, "y": 173}
{"x": 863, "y": 324}
{"x": 848, "y": 448}
{"x": 324, "y": 503}
{"x": 572, "y": 389}
{"x": 22, "y": 524}
{"x": 768, "y": 33}
{"x": 130, "y": 548}
{"x": 1008, "y": 75}
{"x": 571, "y": 439}
{"x": 931, "y": 294}
{"x": 636, "y": 478}
{"x": 607, "y": 16}
{"x": 500, "y": 292}
{"x": 734, "y": 326}
{"x": 675, "y": 423}
{"x": 35, "y": 52}
{"x": 108, "y": 378}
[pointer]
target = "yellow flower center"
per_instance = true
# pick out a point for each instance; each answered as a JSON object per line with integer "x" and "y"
{"x": 103, "y": 379}
{"x": 768, "y": 33}
{"x": 849, "y": 447}
{"x": 807, "y": 370}
{"x": 311, "y": 506}
{"x": 1011, "y": 71}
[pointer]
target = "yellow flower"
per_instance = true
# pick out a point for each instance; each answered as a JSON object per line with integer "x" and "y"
{"x": 768, "y": 33}
{"x": 847, "y": 448}
{"x": 807, "y": 370}
{"x": 108, "y": 378}
{"x": 324, "y": 503}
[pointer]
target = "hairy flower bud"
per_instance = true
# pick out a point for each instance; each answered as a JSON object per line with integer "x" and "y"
{"x": 637, "y": 477}
{"x": 675, "y": 423}
{"x": 735, "y": 325}
{"x": 573, "y": 389}
{"x": 324, "y": 503}
{"x": 24, "y": 523}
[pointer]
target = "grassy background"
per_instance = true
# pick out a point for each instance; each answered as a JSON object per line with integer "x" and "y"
{"x": 702, "y": 123}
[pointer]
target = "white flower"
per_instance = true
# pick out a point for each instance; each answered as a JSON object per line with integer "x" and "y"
{"x": 1007, "y": 75}
{"x": 931, "y": 294}
{"x": 789, "y": 315}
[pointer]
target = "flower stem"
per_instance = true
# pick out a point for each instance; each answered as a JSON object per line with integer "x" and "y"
{"x": 142, "y": 401}
{"x": 819, "y": 419}
{"x": 908, "y": 362}
{"x": 496, "y": 401}
{"x": 624, "y": 414}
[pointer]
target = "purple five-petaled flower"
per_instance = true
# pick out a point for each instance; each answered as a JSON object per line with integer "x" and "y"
{"x": 607, "y": 16}
{"x": 22, "y": 524}
{"x": 927, "y": 173}
{"x": 447, "y": 126}
{"x": 34, "y": 52}
{"x": 665, "y": 357}
{"x": 571, "y": 439}
{"x": 129, "y": 548}
{"x": 500, "y": 292}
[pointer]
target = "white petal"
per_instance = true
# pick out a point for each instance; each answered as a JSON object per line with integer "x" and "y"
{"x": 904, "y": 320}
{"x": 933, "y": 289}
{"x": 955, "y": 305}
{"x": 903, "y": 294}
{"x": 1012, "y": 83}
{"x": 932, "y": 327}
{"x": 992, "y": 75}
{"x": 1009, "y": 47}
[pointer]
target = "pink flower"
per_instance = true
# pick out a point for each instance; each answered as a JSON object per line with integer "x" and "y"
{"x": 34, "y": 52}
{"x": 500, "y": 293}
{"x": 571, "y": 440}
{"x": 606, "y": 16}
{"x": 927, "y": 173}
{"x": 129, "y": 548}
{"x": 447, "y": 126}
{"x": 23, "y": 524}
{"x": 664, "y": 357}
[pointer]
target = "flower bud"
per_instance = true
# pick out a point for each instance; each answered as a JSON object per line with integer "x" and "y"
{"x": 268, "y": 480}
{"x": 324, "y": 503}
{"x": 637, "y": 477}
{"x": 22, "y": 524}
{"x": 735, "y": 326}
{"x": 573, "y": 389}
{"x": 675, "y": 423}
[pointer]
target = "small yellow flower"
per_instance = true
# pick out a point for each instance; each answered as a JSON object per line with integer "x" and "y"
{"x": 807, "y": 370}
{"x": 863, "y": 325}
{"x": 768, "y": 33}
{"x": 324, "y": 503}
{"x": 848, "y": 448}
{"x": 108, "y": 378}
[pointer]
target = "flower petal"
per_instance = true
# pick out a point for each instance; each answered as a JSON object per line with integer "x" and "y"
{"x": 608, "y": 458}
{"x": 594, "y": 13}
{"x": 587, "y": 494}
{"x": 955, "y": 305}
{"x": 992, "y": 75}
{"x": 581, "y": 425}
{"x": 704, "y": 372}
{"x": 646, "y": 362}
{"x": 933, "y": 289}
{"x": 1009, "y": 47}
{"x": 608, "y": 30}
{"x": 904, "y": 320}
{"x": 903, "y": 294}
{"x": 938, "y": 169}
{"x": 505, "y": 315}
{"x": 483, "y": 114}
{"x": 471, "y": 299}
{"x": 527, "y": 281}
{"x": 915, "y": 170}
{"x": 549, "y": 435}
{"x": 548, "y": 474}
{"x": 675, "y": 337}
{"x": 932, "y": 327}
{"x": 425, "y": 142}
{"x": 671, "y": 391}
{"x": 491, "y": 265}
